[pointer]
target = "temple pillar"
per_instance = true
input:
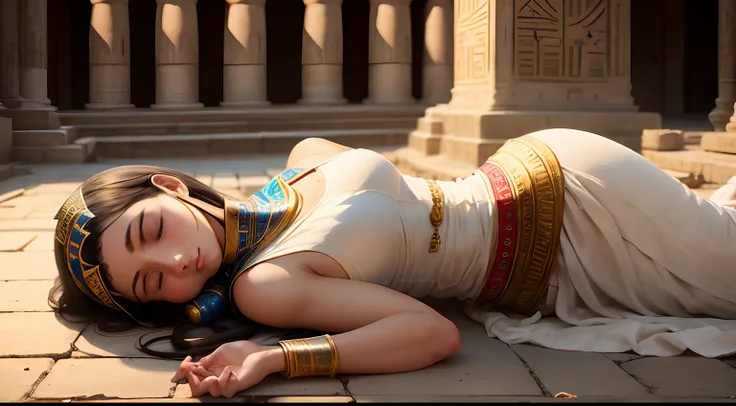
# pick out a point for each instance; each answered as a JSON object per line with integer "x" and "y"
{"x": 389, "y": 43}
{"x": 177, "y": 55}
{"x": 724, "y": 108}
{"x": 525, "y": 66}
{"x": 438, "y": 51}
{"x": 322, "y": 53}
{"x": 244, "y": 65}
{"x": 109, "y": 55}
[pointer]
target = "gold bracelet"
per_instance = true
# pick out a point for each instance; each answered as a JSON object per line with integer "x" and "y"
{"x": 436, "y": 215}
{"x": 315, "y": 356}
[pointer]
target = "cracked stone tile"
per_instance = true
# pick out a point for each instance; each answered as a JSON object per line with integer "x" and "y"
{"x": 276, "y": 385}
{"x": 39, "y": 333}
{"x": 622, "y": 356}
{"x": 25, "y": 296}
{"x": 93, "y": 342}
{"x": 27, "y": 266}
{"x": 483, "y": 367}
{"x": 19, "y": 375}
{"x": 16, "y": 241}
{"x": 578, "y": 373}
{"x": 684, "y": 376}
{"x": 43, "y": 242}
{"x": 108, "y": 377}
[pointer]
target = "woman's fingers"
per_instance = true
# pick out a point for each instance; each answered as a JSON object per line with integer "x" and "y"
{"x": 229, "y": 381}
{"x": 184, "y": 367}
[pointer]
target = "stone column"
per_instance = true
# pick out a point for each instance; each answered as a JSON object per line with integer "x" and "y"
{"x": 109, "y": 55}
{"x": 244, "y": 65}
{"x": 33, "y": 54}
{"x": 322, "y": 52}
{"x": 9, "y": 51}
{"x": 177, "y": 55}
{"x": 726, "y": 65}
{"x": 389, "y": 43}
{"x": 438, "y": 51}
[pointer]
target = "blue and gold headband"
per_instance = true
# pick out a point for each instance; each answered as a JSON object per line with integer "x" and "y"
{"x": 71, "y": 233}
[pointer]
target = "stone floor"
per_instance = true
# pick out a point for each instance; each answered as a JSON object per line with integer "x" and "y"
{"x": 43, "y": 357}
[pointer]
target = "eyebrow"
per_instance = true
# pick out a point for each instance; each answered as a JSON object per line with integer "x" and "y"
{"x": 128, "y": 242}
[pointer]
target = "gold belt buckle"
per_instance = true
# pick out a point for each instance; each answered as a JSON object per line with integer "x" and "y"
{"x": 436, "y": 215}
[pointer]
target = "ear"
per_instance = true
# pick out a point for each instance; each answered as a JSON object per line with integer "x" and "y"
{"x": 170, "y": 184}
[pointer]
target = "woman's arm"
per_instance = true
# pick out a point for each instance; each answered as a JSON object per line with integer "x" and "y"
{"x": 381, "y": 330}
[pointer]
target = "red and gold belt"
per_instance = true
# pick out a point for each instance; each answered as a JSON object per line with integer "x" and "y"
{"x": 527, "y": 183}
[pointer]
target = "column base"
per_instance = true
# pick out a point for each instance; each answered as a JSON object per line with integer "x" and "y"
{"x": 471, "y": 137}
{"x": 6, "y": 139}
{"x": 322, "y": 84}
{"x": 437, "y": 84}
{"x": 389, "y": 83}
{"x": 244, "y": 104}
{"x": 177, "y": 106}
{"x": 326, "y": 102}
{"x": 33, "y": 119}
{"x": 108, "y": 106}
{"x": 720, "y": 116}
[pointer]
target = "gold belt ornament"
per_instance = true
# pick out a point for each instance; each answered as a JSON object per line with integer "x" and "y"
{"x": 436, "y": 215}
{"x": 535, "y": 177}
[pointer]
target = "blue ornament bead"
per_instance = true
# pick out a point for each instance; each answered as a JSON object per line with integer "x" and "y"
{"x": 208, "y": 306}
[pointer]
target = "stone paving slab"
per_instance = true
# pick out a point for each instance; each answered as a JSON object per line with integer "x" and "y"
{"x": 109, "y": 377}
{"x": 690, "y": 376}
{"x": 44, "y": 242}
{"x": 28, "y": 266}
{"x": 19, "y": 375}
{"x": 578, "y": 373}
{"x": 28, "y": 225}
{"x": 16, "y": 241}
{"x": 95, "y": 343}
{"x": 41, "y": 333}
{"x": 276, "y": 385}
{"x": 25, "y": 296}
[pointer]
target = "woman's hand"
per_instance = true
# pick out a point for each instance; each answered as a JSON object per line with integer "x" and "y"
{"x": 231, "y": 368}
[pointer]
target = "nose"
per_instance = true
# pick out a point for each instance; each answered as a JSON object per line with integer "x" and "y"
{"x": 180, "y": 266}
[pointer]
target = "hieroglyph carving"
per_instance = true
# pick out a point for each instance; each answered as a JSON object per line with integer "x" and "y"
{"x": 472, "y": 29}
{"x": 561, "y": 39}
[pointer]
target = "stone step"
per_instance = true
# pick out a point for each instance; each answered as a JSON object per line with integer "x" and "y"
{"x": 73, "y": 153}
{"x": 723, "y": 142}
{"x": 43, "y": 138}
{"x": 234, "y": 144}
{"x": 708, "y": 167}
{"x": 176, "y": 127}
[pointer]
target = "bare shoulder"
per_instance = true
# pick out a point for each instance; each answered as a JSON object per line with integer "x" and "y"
{"x": 313, "y": 149}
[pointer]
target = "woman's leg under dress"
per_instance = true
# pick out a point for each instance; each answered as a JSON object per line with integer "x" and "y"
{"x": 644, "y": 263}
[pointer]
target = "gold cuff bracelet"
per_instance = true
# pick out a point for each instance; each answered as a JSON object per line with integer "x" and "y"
{"x": 315, "y": 356}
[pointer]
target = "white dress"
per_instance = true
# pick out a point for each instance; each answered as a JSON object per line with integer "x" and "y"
{"x": 640, "y": 254}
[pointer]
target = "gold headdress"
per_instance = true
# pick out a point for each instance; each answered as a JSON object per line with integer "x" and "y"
{"x": 72, "y": 232}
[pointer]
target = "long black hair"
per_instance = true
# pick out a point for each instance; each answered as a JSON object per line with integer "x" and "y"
{"x": 107, "y": 195}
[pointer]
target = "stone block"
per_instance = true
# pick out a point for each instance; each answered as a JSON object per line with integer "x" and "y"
{"x": 662, "y": 140}
{"x": 15, "y": 241}
{"x": 24, "y": 296}
{"x": 277, "y": 385}
{"x": 40, "y": 138}
{"x": 92, "y": 342}
{"x": 42, "y": 333}
{"x": 6, "y": 139}
{"x": 723, "y": 142}
{"x": 27, "y": 266}
{"x": 684, "y": 376}
{"x": 424, "y": 142}
{"x": 108, "y": 377}
{"x": 473, "y": 151}
{"x": 483, "y": 367}
{"x": 578, "y": 373}
{"x": 19, "y": 375}
{"x": 44, "y": 242}
{"x": 32, "y": 119}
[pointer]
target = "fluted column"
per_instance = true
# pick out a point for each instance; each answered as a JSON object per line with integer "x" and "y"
{"x": 244, "y": 65}
{"x": 9, "y": 51}
{"x": 726, "y": 65}
{"x": 177, "y": 55}
{"x": 322, "y": 52}
{"x": 109, "y": 55}
{"x": 33, "y": 54}
{"x": 389, "y": 43}
{"x": 437, "y": 77}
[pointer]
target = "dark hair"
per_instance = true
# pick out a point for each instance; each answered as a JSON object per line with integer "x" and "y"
{"x": 108, "y": 194}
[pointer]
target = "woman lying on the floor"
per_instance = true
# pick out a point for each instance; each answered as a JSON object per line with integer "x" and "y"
{"x": 560, "y": 223}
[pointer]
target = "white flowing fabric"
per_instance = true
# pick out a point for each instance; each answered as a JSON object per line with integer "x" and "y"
{"x": 645, "y": 265}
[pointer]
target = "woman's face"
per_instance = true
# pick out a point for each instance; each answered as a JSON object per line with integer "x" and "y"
{"x": 162, "y": 249}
